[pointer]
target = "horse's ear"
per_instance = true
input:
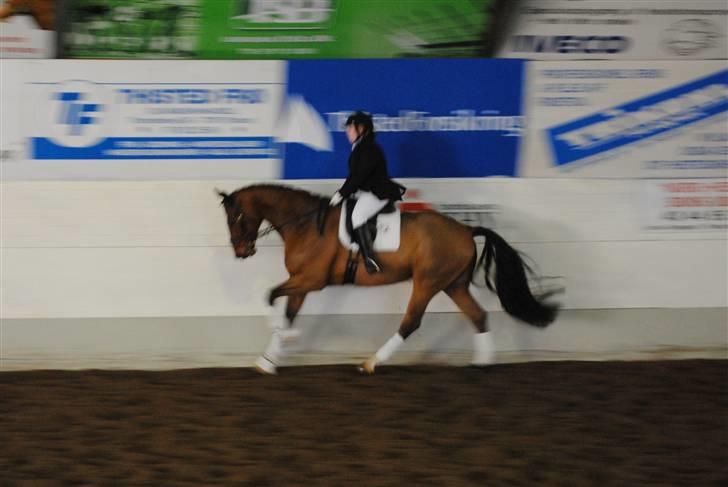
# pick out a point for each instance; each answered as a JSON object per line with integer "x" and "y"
{"x": 223, "y": 195}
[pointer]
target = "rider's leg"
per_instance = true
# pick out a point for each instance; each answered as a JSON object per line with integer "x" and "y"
{"x": 366, "y": 247}
{"x": 366, "y": 207}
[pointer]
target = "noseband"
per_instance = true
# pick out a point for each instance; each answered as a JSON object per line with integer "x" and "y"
{"x": 245, "y": 238}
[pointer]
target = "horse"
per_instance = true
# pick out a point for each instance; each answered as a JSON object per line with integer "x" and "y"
{"x": 436, "y": 252}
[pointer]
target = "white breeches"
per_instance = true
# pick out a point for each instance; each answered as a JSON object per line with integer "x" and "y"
{"x": 366, "y": 207}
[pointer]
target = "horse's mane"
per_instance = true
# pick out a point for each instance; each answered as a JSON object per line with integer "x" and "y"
{"x": 288, "y": 190}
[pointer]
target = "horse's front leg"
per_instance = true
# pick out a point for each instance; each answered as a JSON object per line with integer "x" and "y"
{"x": 283, "y": 334}
{"x": 295, "y": 288}
{"x": 283, "y": 314}
{"x": 298, "y": 284}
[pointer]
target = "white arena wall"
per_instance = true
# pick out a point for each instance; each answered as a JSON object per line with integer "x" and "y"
{"x": 140, "y": 275}
{"x": 126, "y": 263}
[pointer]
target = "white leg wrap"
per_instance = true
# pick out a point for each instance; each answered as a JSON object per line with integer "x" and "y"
{"x": 483, "y": 349}
{"x": 278, "y": 323}
{"x": 388, "y": 349}
{"x": 268, "y": 362}
{"x": 277, "y": 317}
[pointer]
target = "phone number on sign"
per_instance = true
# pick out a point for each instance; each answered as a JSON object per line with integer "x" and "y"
{"x": 694, "y": 214}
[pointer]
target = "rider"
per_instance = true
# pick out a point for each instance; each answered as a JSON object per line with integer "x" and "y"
{"x": 368, "y": 180}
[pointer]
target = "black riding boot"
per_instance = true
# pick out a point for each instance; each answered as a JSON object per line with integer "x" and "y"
{"x": 367, "y": 248}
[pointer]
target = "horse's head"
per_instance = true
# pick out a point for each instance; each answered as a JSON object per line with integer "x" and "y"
{"x": 243, "y": 223}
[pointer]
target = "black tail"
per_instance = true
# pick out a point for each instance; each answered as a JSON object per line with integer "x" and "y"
{"x": 511, "y": 284}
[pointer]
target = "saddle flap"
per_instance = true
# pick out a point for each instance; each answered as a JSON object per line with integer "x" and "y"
{"x": 385, "y": 229}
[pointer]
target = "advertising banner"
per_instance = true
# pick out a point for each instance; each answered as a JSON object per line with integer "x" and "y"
{"x": 13, "y": 142}
{"x": 234, "y": 29}
{"x": 685, "y": 204}
{"x": 619, "y": 29}
{"x": 131, "y": 29}
{"x": 629, "y": 119}
{"x": 213, "y": 119}
{"x": 257, "y": 119}
{"x": 27, "y": 29}
{"x": 277, "y": 29}
{"x": 433, "y": 118}
{"x": 92, "y": 119}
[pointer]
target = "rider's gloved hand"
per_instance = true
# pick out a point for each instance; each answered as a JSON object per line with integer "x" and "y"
{"x": 336, "y": 199}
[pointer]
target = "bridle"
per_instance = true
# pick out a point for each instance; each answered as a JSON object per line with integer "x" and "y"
{"x": 243, "y": 238}
{"x": 272, "y": 228}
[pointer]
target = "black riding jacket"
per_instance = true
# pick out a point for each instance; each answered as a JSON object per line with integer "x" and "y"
{"x": 368, "y": 172}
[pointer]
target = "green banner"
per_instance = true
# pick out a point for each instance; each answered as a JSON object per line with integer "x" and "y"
{"x": 289, "y": 29}
{"x": 275, "y": 29}
{"x": 137, "y": 29}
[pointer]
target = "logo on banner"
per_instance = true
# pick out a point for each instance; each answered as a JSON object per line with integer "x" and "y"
{"x": 79, "y": 109}
{"x": 641, "y": 119}
{"x": 76, "y": 113}
{"x": 291, "y": 14}
{"x": 459, "y": 120}
{"x": 690, "y": 36}
{"x": 571, "y": 44}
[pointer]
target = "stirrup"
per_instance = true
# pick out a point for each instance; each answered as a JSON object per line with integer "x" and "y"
{"x": 371, "y": 265}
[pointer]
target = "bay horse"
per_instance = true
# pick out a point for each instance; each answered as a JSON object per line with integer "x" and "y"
{"x": 437, "y": 252}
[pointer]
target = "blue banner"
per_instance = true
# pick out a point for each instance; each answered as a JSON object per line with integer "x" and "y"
{"x": 433, "y": 117}
{"x": 161, "y": 148}
{"x": 641, "y": 119}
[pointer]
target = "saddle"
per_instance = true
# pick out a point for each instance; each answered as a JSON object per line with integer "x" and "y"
{"x": 371, "y": 223}
{"x": 384, "y": 227}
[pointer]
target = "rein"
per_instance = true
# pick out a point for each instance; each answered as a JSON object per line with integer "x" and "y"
{"x": 322, "y": 212}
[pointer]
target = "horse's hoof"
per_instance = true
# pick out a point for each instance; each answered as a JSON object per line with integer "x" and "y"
{"x": 265, "y": 366}
{"x": 366, "y": 368}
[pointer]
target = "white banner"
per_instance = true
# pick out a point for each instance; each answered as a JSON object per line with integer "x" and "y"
{"x": 626, "y": 119}
{"x": 685, "y": 204}
{"x": 22, "y": 38}
{"x": 619, "y": 29}
{"x": 144, "y": 119}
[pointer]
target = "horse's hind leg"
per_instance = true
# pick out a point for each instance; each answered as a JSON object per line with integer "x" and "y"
{"x": 422, "y": 293}
{"x": 483, "y": 349}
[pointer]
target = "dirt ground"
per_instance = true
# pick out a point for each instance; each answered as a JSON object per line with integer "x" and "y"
{"x": 550, "y": 423}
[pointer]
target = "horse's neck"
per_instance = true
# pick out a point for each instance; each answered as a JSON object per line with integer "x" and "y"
{"x": 283, "y": 209}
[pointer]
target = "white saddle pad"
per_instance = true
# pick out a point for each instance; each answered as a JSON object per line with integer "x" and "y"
{"x": 388, "y": 230}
